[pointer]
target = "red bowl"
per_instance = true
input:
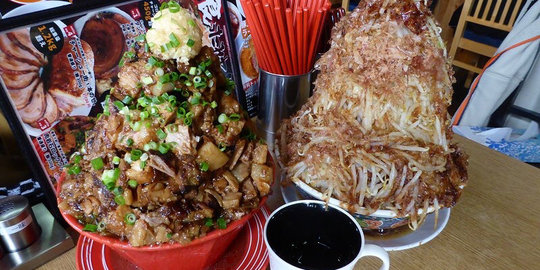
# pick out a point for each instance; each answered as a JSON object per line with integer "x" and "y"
{"x": 198, "y": 254}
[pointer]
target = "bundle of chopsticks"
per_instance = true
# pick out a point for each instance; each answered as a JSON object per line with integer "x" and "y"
{"x": 286, "y": 33}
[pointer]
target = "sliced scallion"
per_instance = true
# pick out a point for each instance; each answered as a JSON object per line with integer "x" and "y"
{"x": 97, "y": 163}
{"x": 204, "y": 166}
{"x": 90, "y": 228}
{"x": 130, "y": 218}
{"x": 132, "y": 183}
{"x": 136, "y": 154}
{"x": 161, "y": 134}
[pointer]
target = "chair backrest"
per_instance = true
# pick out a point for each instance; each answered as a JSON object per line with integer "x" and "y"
{"x": 498, "y": 14}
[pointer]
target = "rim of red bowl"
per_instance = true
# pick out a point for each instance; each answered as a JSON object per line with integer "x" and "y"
{"x": 122, "y": 244}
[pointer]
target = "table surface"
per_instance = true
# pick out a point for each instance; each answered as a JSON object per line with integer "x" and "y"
{"x": 495, "y": 225}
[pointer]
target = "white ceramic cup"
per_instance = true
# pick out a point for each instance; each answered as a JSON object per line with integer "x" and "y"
{"x": 277, "y": 263}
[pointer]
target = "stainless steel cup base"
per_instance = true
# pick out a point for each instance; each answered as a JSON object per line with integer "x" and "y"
{"x": 280, "y": 96}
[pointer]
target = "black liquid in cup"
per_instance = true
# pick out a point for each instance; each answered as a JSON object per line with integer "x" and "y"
{"x": 312, "y": 236}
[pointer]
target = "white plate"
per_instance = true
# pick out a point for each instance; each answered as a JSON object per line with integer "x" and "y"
{"x": 425, "y": 233}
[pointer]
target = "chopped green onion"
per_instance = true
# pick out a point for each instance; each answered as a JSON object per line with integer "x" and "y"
{"x": 200, "y": 85}
{"x": 222, "y": 118}
{"x": 157, "y": 100}
{"x": 101, "y": 226}
{"x": 75, "y": 169}
{"x": 136, "y": 126}
{"x": 130, "y": 218}
{"x": 129, "y": 142}
{"x": 136, "y": 154}
{"x": 144, "y": 101}
{"x": 222, "y": 224}
{"x": 174, "y": 6}
{"x": 204, "y": 166}
{"x": 164, "y": 5}
{"x": 181, "y": 113}
{"x": 109, "y": 178}
{"x": 142, "y": 165}
{"x": 127, "y": 100}
{"x": 147, "y": 80}
{"x": 97, "y": 163}
{"x": 195, "y": 100}
{"x": 118, "y": 191}
{"x": 213, "y": 105}
{"x": 90, "y": 228}
{"x": 192, "y": 23}
{"x": 208, "y": 73}
{"x": 174, "y": 76}
{"x": 174, "y": 40}
{"x": 227, "y": 92}
{"x": 119, "y": 104}
{"x": 234, "y": 117}
{"x": 76, "y": 159}
{"x": 169, "y": 235}
{"x": 164, "y": 148}
{"x": 144, "y": 115}
{"x": 222, "y": 147}
{"x": 150, "y": 146}
{"x": 190, "y": 42}
{"x": 132, "y": 183}
{"x": 165, "y": 78}
{"x": 154, "y": 111}
{"x": 152, "y": 60}
{"x": 140, "y": 38}
{"x": 188, "y": 83}
{"x": 197, "y": 79}
{"x": 159, "y": 72}
{"x": 204, "y": 103}
{"x": 209, "y": 222}
{"x": 192, "y": 71}
{"x": 119, "y": 199}
{"x": 121, "y": 63}
{"x": 127, "y": 158}
{"x": 219, "y": 128}
{"x": 116, "y": 160}
{"x": 125, "y": 111}
{"x": 161, "y": 134}
{"x": 188, "y": 121}
{"x": 106, "y": 106}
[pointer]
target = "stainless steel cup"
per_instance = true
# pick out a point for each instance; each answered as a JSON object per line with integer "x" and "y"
{"x": 18, "y": 226}
{"x": 280, "y": 96}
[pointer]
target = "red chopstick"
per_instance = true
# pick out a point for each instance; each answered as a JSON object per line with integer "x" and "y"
{"x": 286, "y": 33}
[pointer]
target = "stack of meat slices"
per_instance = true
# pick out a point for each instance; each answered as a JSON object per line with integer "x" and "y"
{"x": 21, "y": 68}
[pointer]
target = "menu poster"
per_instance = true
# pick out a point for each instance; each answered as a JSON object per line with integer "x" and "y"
{"x": 56, "y": 75}
{"x": 245, "y": 53}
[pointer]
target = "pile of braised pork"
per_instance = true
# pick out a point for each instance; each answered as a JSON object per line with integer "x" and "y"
{"x": 171, "y": 158}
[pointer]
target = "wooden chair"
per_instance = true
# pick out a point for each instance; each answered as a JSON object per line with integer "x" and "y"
{"x": 496, "y": 14}
{"x": 345, "y": 5}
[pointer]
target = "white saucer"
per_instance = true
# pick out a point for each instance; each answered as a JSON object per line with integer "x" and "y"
{"x": 425, "y": 233}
